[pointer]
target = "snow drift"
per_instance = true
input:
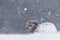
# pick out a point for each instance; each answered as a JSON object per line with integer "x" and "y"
{"x": 36, "y": 36}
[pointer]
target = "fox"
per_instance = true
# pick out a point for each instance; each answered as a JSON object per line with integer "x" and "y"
{"x": 34, "y": 26}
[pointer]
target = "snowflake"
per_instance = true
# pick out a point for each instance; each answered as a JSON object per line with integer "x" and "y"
{"x": 25, "y": 9}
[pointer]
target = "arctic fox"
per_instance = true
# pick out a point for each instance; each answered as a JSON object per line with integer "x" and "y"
{"x": 34, "y": 26}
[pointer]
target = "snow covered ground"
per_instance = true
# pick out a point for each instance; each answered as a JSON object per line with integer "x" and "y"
{"x": 36, "y": 36}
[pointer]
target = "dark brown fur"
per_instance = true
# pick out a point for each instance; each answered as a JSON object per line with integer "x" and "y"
{"x": 31, "y": 25}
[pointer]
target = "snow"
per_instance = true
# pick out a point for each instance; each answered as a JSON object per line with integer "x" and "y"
{"x": 25, "y": 9}
{"x": 36, "y": 36}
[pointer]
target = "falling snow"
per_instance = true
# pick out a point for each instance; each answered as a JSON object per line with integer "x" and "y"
{"x": 25, "y": 9}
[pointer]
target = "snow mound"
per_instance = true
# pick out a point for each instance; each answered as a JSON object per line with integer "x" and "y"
{"x": 35, "y": 36}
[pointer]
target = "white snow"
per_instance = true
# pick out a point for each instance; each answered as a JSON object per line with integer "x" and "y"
{"x": 36, "y": 36}
{"x": 25, "y": 9}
